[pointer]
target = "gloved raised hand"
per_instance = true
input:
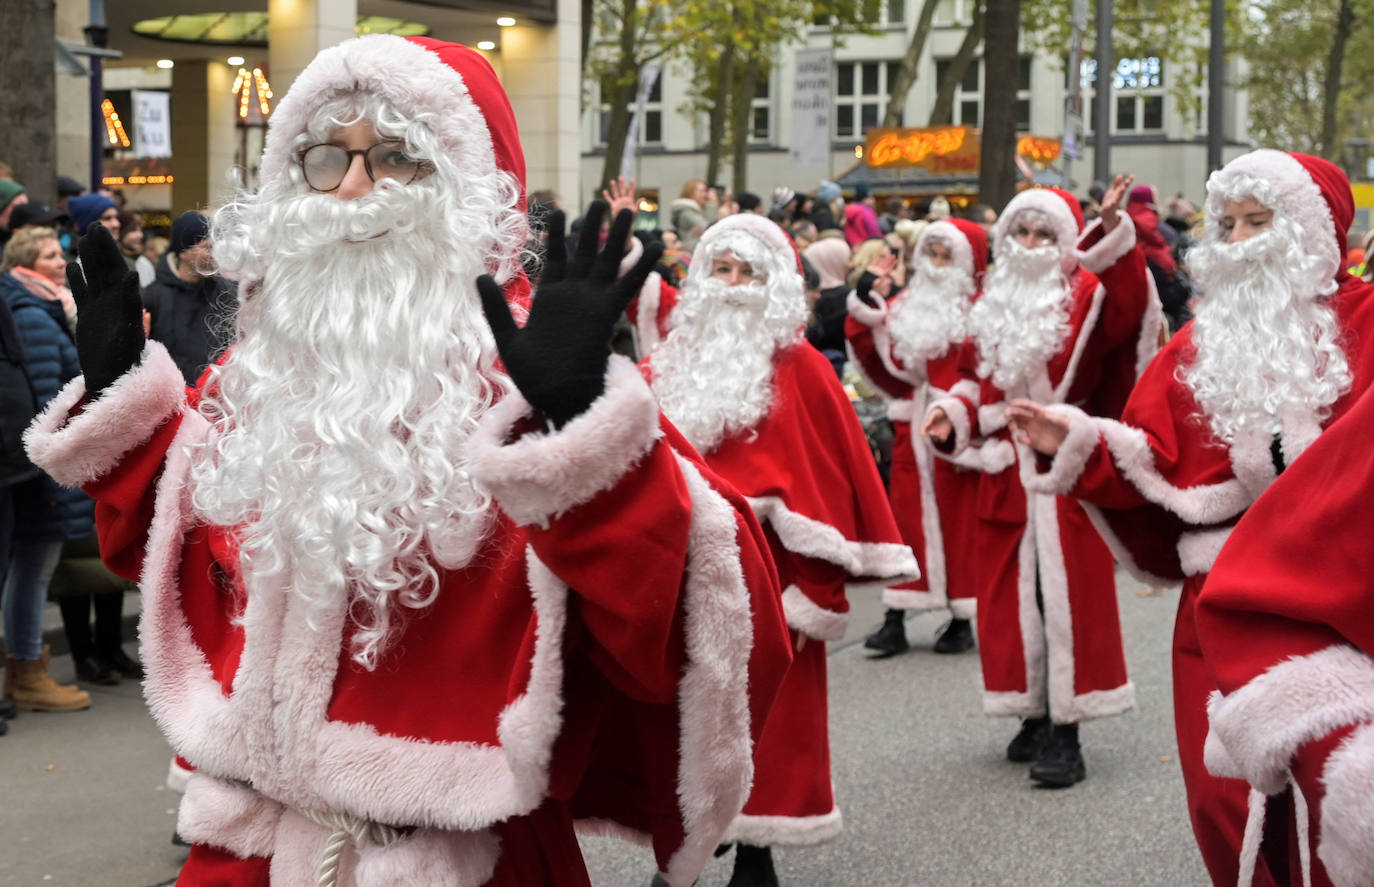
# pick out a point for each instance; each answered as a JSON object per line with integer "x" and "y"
{"x": 558, "y": 359}
{"x": 109, "y": 312}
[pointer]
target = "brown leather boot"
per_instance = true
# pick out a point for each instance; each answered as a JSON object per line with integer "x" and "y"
{"x": 28, "y": 683}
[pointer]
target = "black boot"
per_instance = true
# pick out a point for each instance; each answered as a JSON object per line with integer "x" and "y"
{"x": 1062, "y": 763}
{"x": 8, "y": 709}
{"x": 891, "y": 638}
{"x": 955, "y": 637}
{"x": 753, "y": 867}
{"x": 1030, "y": 741}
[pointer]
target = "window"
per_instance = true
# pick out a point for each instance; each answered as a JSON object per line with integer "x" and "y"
{"x": 968, "y": 97}
{"x": 953, "y": 12}
{"x": 878, "y": 12}
{"x": 650, "y": 127}
{"x": 1138, "y": 93}
{"x": 861, "y": 94}
{"x": 760, "y": 113}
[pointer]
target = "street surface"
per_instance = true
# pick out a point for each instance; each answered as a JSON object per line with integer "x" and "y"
{"x": 928, "y": 798}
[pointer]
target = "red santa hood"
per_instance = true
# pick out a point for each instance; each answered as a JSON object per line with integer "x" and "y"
{"x": 1311, "y": 191}
{"x": 471, "y": 115}
{"x": 967, "y": 241}
{"x": 1064, "y": 213}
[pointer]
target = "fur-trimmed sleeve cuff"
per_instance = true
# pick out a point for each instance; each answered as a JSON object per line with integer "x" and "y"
{"x": 810, "y": 618}
{"x": 230, "y": 816}
{"x": 863, "y": 312}
{"x": 957, "y": 411}
{"x": 1347, "y": 812}
{"x": 1074, "y": 451}
{"x": 1103, "y": 250}
{"x": 541, "y": 475}
{"x": 77, "y": 450}
{"x": 1256, "y": 730}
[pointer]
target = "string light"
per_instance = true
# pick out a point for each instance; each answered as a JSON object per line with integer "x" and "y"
{"x": 114, "y": 128}
{"x": 136, "y": 180}
{"x": 245, "y": 83}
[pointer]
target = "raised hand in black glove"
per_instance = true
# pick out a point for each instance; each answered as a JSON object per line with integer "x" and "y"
{"x": 109, "y": 313}
{"x": 864, "y": 289}
{"x": 558, "y": 359}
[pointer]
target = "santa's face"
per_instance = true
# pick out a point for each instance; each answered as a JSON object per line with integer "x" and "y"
{"x": 1244, "y": 218}
{"x": 931, "y": 315}
{"x": 1033, "y": 231}
{"x": 938, "y": 253}
{"x": 732, "y": 270}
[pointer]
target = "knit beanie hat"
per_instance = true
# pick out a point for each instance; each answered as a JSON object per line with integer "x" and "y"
{"x": 828, "y": 191}
{"x": 9, "y": 189}
{"x": 189, "y": 229}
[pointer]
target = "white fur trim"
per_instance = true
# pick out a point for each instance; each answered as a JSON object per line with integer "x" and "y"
{"x": 786, "y": 831}
{"x": 544, "y": 474}
{"x": 812, "y": 620}
{"x": 1198, "y": 550}
{"x": 1111, "y": 248}
{"x": 1151, "y": 329}
{"x": 609, "y": 828}
{"x": 767, "y": 231}
{"x": 1346, "y": 843}
{"x": 901, "y": 410}
{"x": 647, "y": 333}
{"x": 935, "y": 573}
{"x": 81, "y": 449}
{"x": 1262, "y": 724}
{"x": 992, "y": 418}
{"x": 959, "y": 417}
{"x": 1014, "y": 705}
{"x": 1033, "y": 702}
{"x": 177, "y": 776}
{"x": 1068, "y": 463}
{"x": 1120, "y": 552}
{"x": 631, "y": 258}
{"x": 964, "y": 607}
{"x": 949, "y": 233}
{"x": 430, "y": 858}
{"x": 989, "y": 457}
{"x": 1080, "y": 344}
{"x": 913, "y": 599}
{"x": 802, "y": 535}
{"x": 229, "y": 816}
{"x": 865, "y": 313}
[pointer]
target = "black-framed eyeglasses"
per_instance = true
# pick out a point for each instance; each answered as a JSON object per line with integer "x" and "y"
{"x": 324, "y": 166}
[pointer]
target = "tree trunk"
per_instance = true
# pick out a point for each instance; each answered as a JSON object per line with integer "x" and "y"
{"x": 721, "y": 78}
{"x": 1345, "y": 21}
{"x": 743, "y": 122}
{"x": 28, "y": 138}
{"x": 943, "y": 112}
{"x": 622, "y": 93}
{"x": 906, "y": 75}
{"x": 997, "y": 172}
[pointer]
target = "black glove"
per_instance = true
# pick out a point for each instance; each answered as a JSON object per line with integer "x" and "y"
{"x": 109, "y": 325}
{"x": 558, "y": 359}
{"x": 864, "y": 289}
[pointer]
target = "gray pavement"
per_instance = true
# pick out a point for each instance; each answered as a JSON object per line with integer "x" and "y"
{"x": 927, "y": 797}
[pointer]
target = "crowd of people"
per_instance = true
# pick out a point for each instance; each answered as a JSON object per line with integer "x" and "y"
{"x": 470, "y": 528}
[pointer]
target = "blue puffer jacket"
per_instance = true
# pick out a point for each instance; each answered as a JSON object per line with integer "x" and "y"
{"x": 43, "y": 509}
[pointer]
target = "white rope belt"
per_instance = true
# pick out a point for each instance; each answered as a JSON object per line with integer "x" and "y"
{"x": 345, "y": 829}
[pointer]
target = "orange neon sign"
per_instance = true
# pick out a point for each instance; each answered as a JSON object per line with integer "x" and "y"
{"x": 1038, "y": 149}
{"x": 937, "y": 148}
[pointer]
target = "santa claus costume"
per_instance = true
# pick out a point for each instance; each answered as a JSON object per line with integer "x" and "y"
{"x": 766, "y": 411}
{"x": 1070, "y": 319}
{"x": 1285, "y": 625}
{"x": 1275, "y": 354}
{"x": 909, "y": 349}
{"x": 406, "y": 618}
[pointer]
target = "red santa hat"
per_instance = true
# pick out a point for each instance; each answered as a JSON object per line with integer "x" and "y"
{"x": 968, "y": 243}
{"x": 455, "y": 87}
{"x": 766, "y": 231}
{"x": 1310, "y": 191}
{"x": 1063, "y": 212}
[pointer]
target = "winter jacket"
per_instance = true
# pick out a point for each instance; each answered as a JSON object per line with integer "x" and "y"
{"x": 860, "y": 224}
{"x": 17, "y": 403}
{"x": 43, "y": 509}
{"x": 194, "y": 320}
{"x": 686, "y": 216}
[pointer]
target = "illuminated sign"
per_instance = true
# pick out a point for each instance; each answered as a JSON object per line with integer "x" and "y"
{"x": 936, "y": 148}
{"x": 1038, "y": 150}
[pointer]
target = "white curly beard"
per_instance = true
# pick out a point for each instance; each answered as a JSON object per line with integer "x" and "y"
{"x": 713, "y": 374}
{"x": 1266, "y": 344}
{"x": 931, "y": 315}
{"x": 1022, "y": 319}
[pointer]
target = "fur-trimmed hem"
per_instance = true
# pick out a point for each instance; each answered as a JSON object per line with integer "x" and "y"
{"x": 609, "y": 828}
{"x": 1068, "y": 463}
{"x": 1199, "y": 550}
{"x": 863, "y": 312}
{"x": 1111, "y": 248}
{"x": 1263, "y": 724}
{"x": 545, "y": 474}
{"x": 228, "y": 816}
{"x": 954, "y": 408}
{"x": 75, "y": 451}
{"x": 1001, "y": 704}
{"x": 810, "y": 619}
{"x": 178, "y": 776}
{"x": 1347, "y": 810}
{"x": 802, "y": 535}
{"x": 428, "y": 857}
{"x": 964, "y": 607}
{"x": 910, "y": 599}
{"x": 786, "y": 831}
{"x": 1097, "y": 704}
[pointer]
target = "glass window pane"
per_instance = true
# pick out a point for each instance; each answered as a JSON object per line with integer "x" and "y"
{"x": 1023, "y": 73}
{"x": 968, "y": 112}
{"x": 970, "y": 83}
{"x": 653, "y": 126}
{"x": 1023, "y": 115}
{"x": 1152, "y": 112}
{"x": 1125, "y": 113}
{"x": 761, "y": 88}
{"x": 844, "y": 120}
{"x": 604, "y": 127}
{"x": 844, "y": 79}
{"x": 759, "y": 130}
{"x": 869, "y": 117}
{"x": 870, "y": 82}
{"x": 896, "y": 11}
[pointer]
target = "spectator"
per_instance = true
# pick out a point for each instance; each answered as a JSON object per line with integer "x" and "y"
{"x": 803, "y": 234}
{"x": 694, "y": 209}
{"x": 828, "y": 212}
{"x": 94, "y": 208}
{"x": 861, "y": 218}
{"x": 45, "y": 513}
{"x": 869, "y": 252}
{"x": 36, "y": 214}
{"x": 894, "y": 210}
{"x": 67, "y": 188}
{"x": 752, "y": 203}
{"x": 830, "y": 257}
{"x": 782, "y": 198}
{"x": 153, "y": 248}
{"x": 131, "y": 245}
{"x": 1174, "y": 291}
{"x": 11, "y": 195}
{"x": 939, "y": 209}
{"x": 191, "y": 308}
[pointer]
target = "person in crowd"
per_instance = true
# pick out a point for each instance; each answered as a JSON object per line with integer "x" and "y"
{"x": 190, "y": 308}
{"x": 752, "y": 203}
{"x": 894, "y": 211}
{"x": 1173, "y": 289}
{"x": 12, "y": 195}
{"x": 861, "y": 218}
{"x": 154, "y": 248}
{"x": 131, "y": 245}
{"x": 910, "y": 348}
{"x": 803, "y": 234}
{"x": 910, "y": 230}
{"x": 694, "y": 208}
{"x": 39, "y": 215}
{"x": 775, "y": 423}
{"x": 1065, "y": 317}
{"x": 939, "y": 209}
{"x": 870, "y": 251}
{"x": 828, "y": 212}
{"x": 67, "y": 188}
{"x": 830, "y": 256}
{"x": 45, "y": 513}
{"x": 372, "y": 617}
{"x": 94, "y": 208}
{"x": 1276, "y": 353}
{"x": 780, "y": 205}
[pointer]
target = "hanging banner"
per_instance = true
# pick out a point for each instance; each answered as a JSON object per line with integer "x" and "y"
{"x": 810, "y": 145}
{"x": 646, "y": 85}
{"x": 152, "y": 123}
